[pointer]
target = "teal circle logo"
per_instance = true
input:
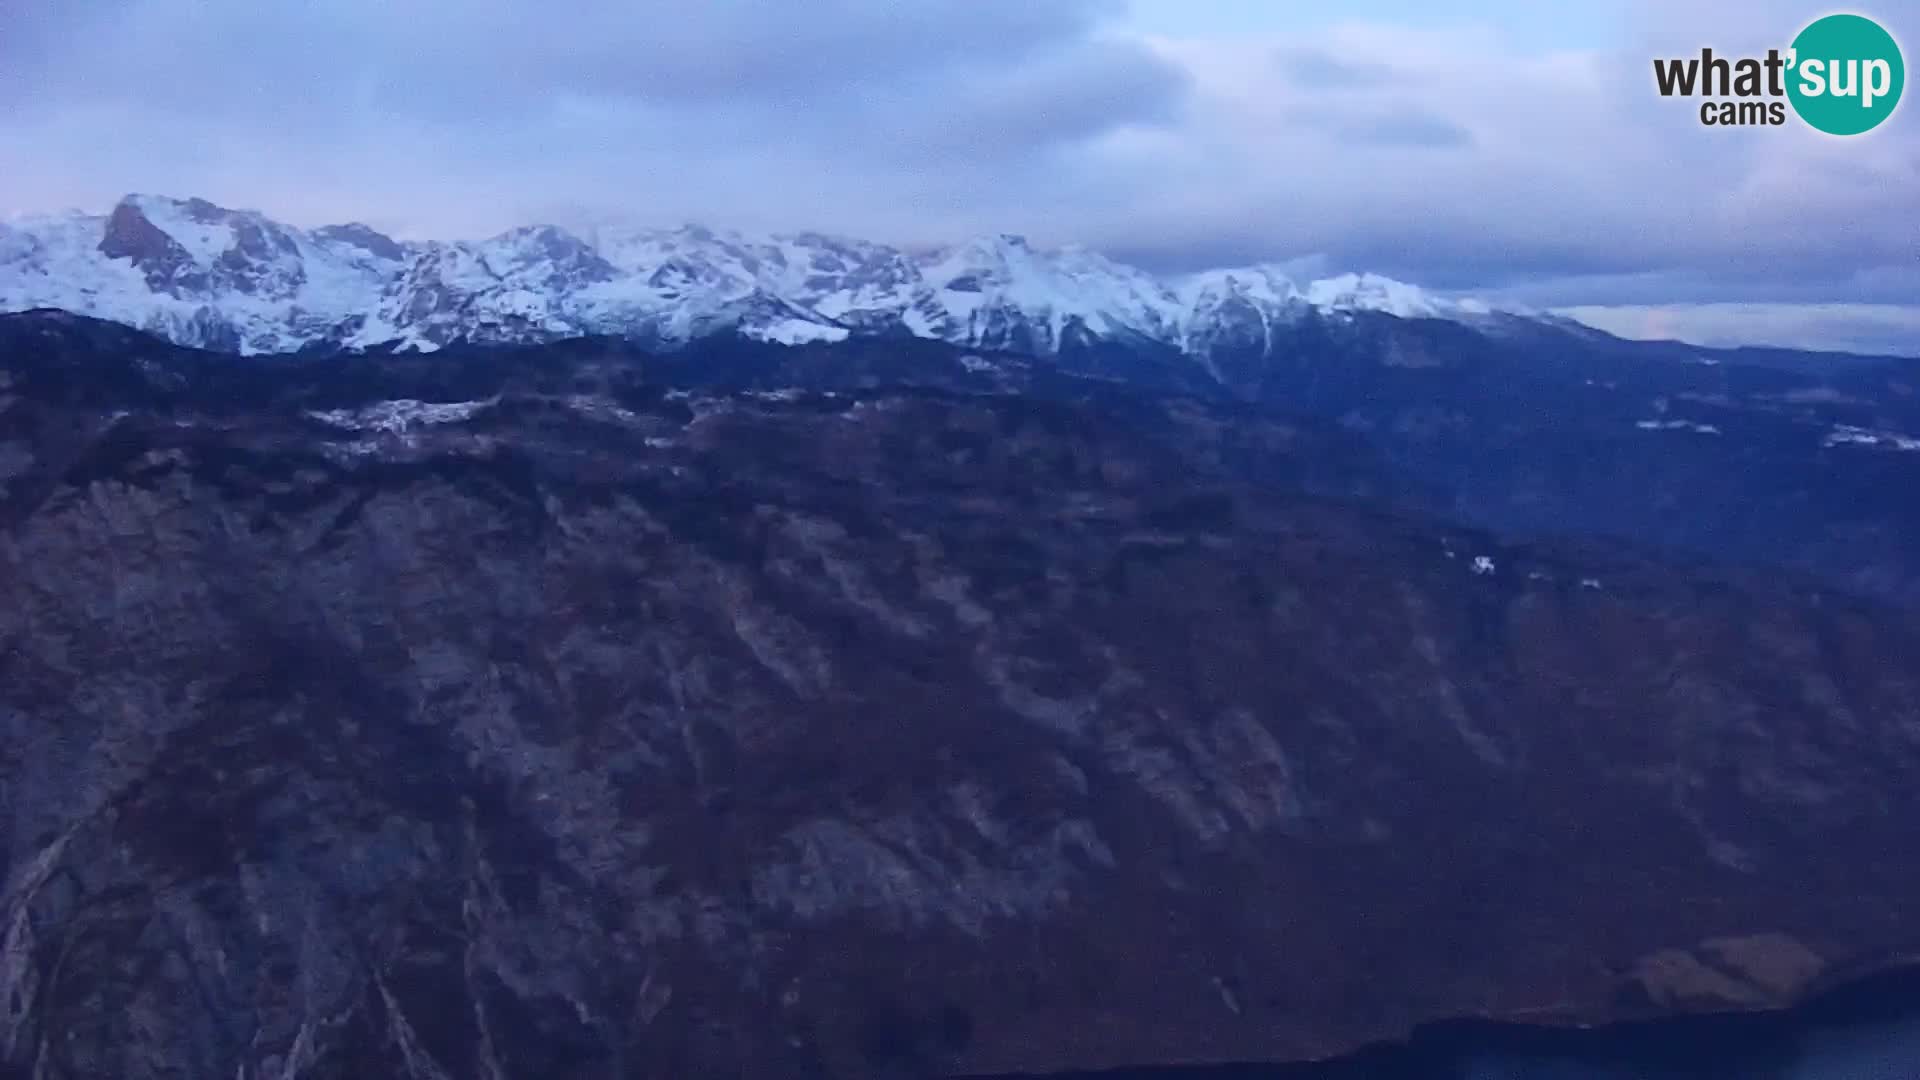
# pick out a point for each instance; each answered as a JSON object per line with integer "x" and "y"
{"x": 1846, "y": 74}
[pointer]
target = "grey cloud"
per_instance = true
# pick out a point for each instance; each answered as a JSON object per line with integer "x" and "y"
{"x": 1878, "y": 285}
{"x": 1078, "y": 93}
{"x": 349, "y": 63}
{"x": 1510, "y": 259}
{"x": 1858, "y": 328}
{"x": 1318, "y": 68}
{"x": 494, "y": 74}
{"x": 1407, "y": 127}
{"x": 506, "y": 103}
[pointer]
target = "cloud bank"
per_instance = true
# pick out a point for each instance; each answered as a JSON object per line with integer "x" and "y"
{"x": 1459, "y": 155}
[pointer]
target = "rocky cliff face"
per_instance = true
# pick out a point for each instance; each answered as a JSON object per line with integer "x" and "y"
{"x": 866, "y": 711}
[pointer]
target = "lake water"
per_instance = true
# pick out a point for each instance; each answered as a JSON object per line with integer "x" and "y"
{"x": 1869, "y": 1030}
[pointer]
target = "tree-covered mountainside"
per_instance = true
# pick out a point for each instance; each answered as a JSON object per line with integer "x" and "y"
{"x": 881, "y": 709}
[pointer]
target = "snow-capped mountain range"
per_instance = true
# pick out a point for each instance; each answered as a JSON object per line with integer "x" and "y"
{"x": 235, "y": 280}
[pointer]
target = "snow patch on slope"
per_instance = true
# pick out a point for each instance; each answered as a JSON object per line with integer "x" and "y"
{"x": 1848, "y": 435}
{"x": 401, "y": 414}
{"x": 1677, "y": 425}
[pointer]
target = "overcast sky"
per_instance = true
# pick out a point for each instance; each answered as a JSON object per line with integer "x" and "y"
{"x": 1512, "y": 148}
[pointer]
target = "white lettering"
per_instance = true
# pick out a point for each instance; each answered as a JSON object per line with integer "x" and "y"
{"x": 1813, "y": 77}
{"x": 1879, "y": 80}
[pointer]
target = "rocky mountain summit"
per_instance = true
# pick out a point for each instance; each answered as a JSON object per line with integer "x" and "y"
{"x": 880, "y": 708}
{"x": 199, "y": 274}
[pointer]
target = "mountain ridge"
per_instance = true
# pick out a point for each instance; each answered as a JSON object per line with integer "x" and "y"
{"x": 236, "y": 280}
{"x": 585, "y": 710}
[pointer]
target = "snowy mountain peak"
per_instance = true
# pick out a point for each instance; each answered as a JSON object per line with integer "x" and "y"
{"x": 206, "y": 275}
{"x": 1261, "y": 284}
{"x": 131, "y": 235}
{"x": 374, "y": 243}
{"x": 1372, "y": 292}
{"x": 548, "y": 257}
